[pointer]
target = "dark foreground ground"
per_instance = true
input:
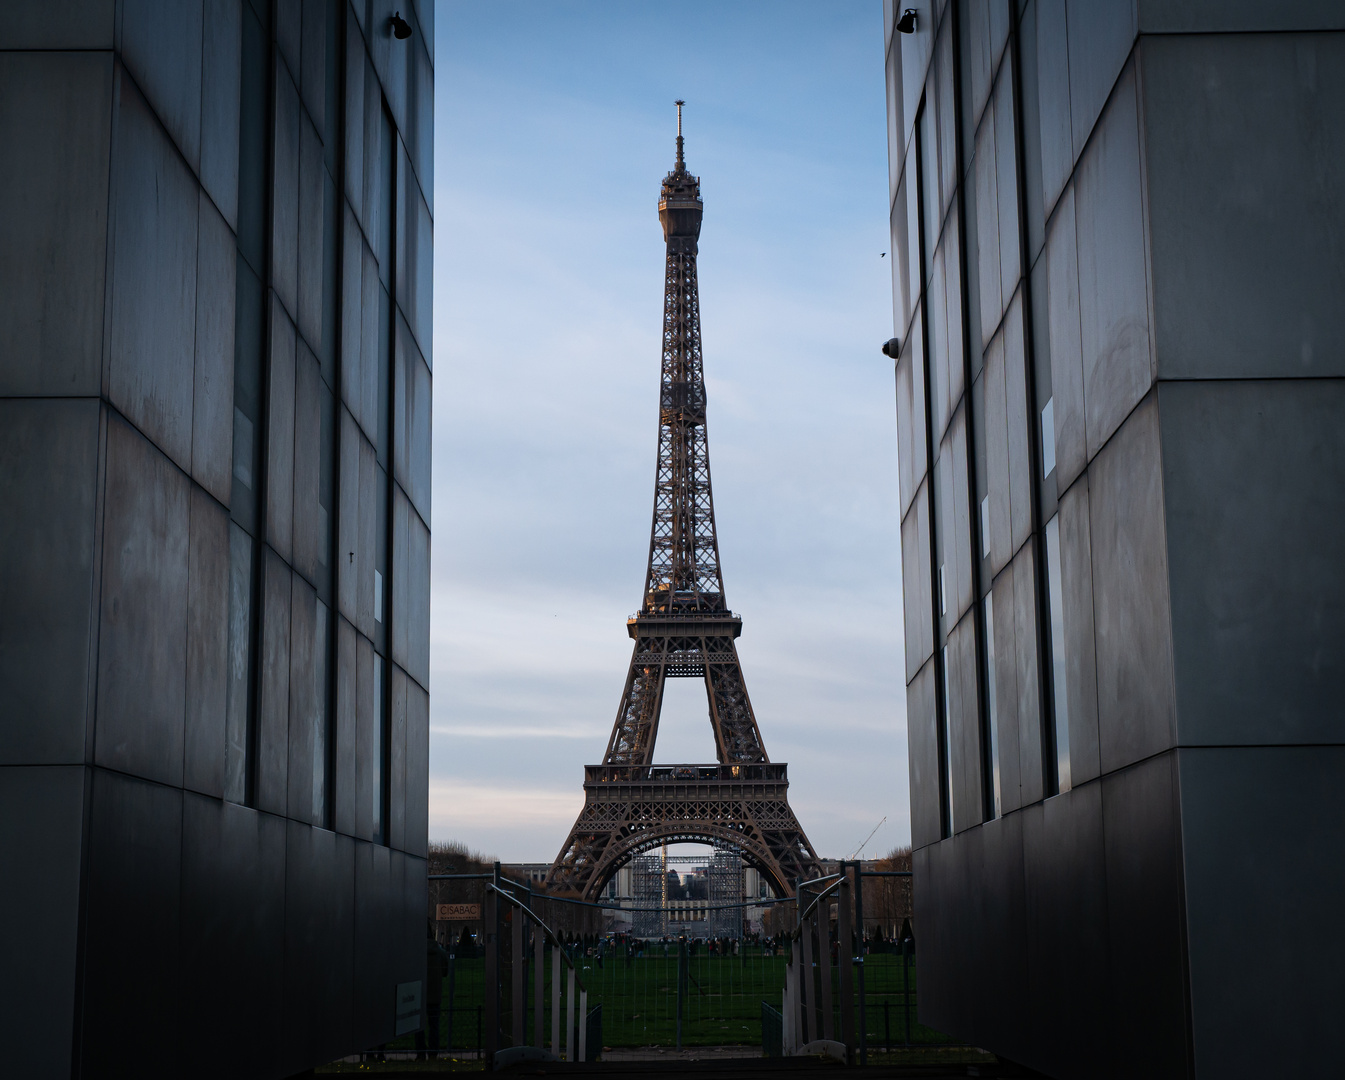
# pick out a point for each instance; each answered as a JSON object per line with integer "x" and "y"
{"x": 713, "y": 1063}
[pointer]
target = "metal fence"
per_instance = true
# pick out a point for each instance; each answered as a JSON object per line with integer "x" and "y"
{"x": 772, "y": 1032}
{"x": 505, "y": 989}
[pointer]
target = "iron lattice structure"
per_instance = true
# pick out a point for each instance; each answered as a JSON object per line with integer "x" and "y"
{"x": 684, "y": 629}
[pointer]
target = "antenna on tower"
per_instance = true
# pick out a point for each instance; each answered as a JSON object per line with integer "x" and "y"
{"x": 681, "y": 162}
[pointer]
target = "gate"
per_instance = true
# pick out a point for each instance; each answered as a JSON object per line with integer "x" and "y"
{"x": 815, "y": 987}
{"x": 825, "y": 1006}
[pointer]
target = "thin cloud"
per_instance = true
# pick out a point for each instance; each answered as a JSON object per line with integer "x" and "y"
{"x": 552, "y": 135}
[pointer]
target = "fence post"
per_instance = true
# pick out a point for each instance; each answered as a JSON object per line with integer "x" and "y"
{"x": 517, "y": 959}
{"x": 583, "y": 1026}
{"x": 808, "y": 994}
{"x": 556, "y": 1001}
{"x": 845, "y": 956}
{"x": 906, "y": 987}
{"x": 492, "y": 974}
{"x": 822, "y": 916}
{"x": 452, "y": 963}
{"x": 539, "y": 977}
{"x": 681, "y": 984}
{"x": 569, "y": 1014}
{"x": 863, "y": 1001}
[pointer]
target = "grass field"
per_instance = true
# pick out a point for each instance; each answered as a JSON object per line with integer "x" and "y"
{"x": 722, "y": 1005}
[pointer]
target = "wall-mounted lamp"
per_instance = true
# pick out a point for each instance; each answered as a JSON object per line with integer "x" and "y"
{"x": 401, "y": 29}
{"x": 892, "y": 347}
{"x": 906, "y": 24}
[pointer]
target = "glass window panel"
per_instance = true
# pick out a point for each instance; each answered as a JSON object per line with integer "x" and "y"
{"x": 373, "y": 117}
{"x": 320, "y": 713}
{"x": 971, "y": 306}
{"x": 380, "y": 568}
{"x": 929, "y": 189}
{"x": 895, "y": 152}
{"x": 383, "y": 424}
{"x": 945, "y": 551}
{"x": 326, "y": 492}
{"x": 963, "y": 585}
{"x": 249, "y": 345}
{"x": 1031, "y": 136}
{"x": 981, "y": 481}
{"x": 331, "y": 247}
{"x": 987, "y": 228}
{"x": 945, "y": 750}
{"x": 937, "y": 312}
{"x": 387, "y": 221}
{"x": 252, "y": 141}
{"x": 901, "y": 259}
{"x": 967, "y": 128}
{"x": 1053, "y": 103}
{"x": 379, "y": 763}
{"x": 1040, "y": 364}
{"x": 976, "y": 55}
{"x": 242, "y": 448}
{"x": 946, "y": 114}
{"x": 992, "y": 717}
{"x": 911, "y": 184}
{"x": 238, "y": 692}
{"x": 331, "y": 89}
{"x": 952, "y": 258}
{"x": 1048, "y": 438}
{"x": 1059, "y": 696}
{"x": 1006, "y": 184}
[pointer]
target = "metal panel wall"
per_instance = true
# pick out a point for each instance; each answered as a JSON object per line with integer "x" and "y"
{"x": 220, "y": 748}
{"x": 1131, "y": 244}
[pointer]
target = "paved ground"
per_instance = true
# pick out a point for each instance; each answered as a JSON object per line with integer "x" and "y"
{"x": 727, "y": 1068}
{"x": 694, "y": 1053}
{"x": 722, "y": 1063}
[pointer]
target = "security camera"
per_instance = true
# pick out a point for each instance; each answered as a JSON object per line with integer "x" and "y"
{"x": 906, "y": 24}
{"x": 892, "y": 347}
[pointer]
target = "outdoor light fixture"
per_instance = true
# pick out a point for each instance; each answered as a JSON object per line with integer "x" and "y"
{"x": 891, "y": 347}
{"x": 906, "y": 24}
{"x": 401, "y": 29}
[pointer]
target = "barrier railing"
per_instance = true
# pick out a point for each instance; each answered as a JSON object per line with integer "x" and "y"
{"x": 828, "y": 999}
{"x": 808, "y": 1014}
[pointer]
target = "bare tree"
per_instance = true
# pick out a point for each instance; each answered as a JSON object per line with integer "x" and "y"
{"x": 887, "y": 901}
{"x": 455, "y": 857}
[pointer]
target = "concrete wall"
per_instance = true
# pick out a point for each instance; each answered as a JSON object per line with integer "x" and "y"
{"x": 215, "y": 247}
{"x": 1119, "y": 403}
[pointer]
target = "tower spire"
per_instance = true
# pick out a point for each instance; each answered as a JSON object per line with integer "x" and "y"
{"x": 681, "y": 161}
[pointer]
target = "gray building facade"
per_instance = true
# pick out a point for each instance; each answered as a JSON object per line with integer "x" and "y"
{"x": 215, "y": 282}
{"x": 1118, "y": 280}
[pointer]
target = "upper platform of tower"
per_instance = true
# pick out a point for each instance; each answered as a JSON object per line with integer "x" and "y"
{"x": 679, "y": 204}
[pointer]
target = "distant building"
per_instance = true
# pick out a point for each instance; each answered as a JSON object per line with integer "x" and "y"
{"x": 647, "y": 896}
{"x": 1120, "y": 384}
{"x": 533, "y": 874}
{"x": 214, "y": 545}
{"x": 724, "y": 876}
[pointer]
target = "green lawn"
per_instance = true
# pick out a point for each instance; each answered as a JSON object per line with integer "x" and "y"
{"x": 722, "y": 1003}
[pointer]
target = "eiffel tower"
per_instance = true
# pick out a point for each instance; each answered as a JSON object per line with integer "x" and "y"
{"x": 684, "y": 629}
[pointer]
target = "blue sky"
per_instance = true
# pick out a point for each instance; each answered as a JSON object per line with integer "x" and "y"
{"x": 554, "y": 127}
